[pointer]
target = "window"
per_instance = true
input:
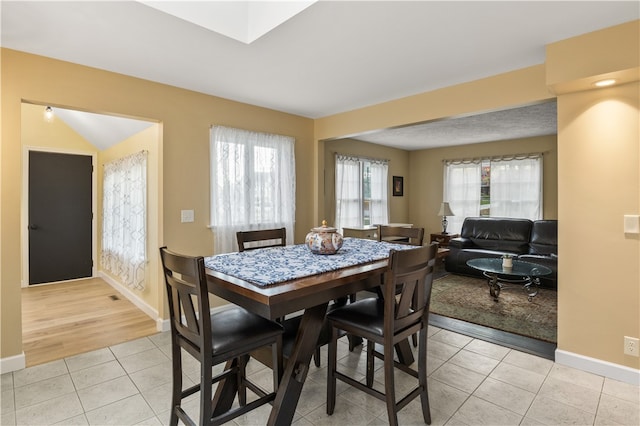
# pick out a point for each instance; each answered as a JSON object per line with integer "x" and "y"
{"x": 498, "y": 187}
{"x": 252, "y": 184}
{"x": 361, "y": 192}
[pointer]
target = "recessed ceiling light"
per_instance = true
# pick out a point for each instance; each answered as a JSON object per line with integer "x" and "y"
{"x": 605, "y": 83}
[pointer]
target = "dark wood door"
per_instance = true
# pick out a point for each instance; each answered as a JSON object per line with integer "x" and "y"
{"x": 60, "y": 217}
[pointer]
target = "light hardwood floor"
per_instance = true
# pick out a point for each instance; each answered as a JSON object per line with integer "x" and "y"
{"x": 61, "y": 320}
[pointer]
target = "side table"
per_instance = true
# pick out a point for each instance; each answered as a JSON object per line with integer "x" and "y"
{"x": 443, "y": 239}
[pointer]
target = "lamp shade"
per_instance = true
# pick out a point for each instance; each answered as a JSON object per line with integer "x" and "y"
{"x": 445, "y": 210}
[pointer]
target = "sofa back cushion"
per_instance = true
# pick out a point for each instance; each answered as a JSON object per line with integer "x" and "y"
{"x": 544, "y": 237}
{"x": 497, "y": 233}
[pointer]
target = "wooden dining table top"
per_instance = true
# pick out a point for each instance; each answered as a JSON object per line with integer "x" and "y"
{"x": 276, "y": 300}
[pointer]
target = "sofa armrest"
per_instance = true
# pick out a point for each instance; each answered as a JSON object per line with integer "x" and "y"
{"x": 461, "y": 243}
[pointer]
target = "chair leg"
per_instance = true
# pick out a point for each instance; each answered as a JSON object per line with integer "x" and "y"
{"x": 242, "y": 375}
{"x": 422, "y": 376}
{"x": 316, "y": 357}
{"x": 176, "y": 392}
{"x": 277, "y": 362}
{"x": 206, "y": 392}
{"x": 414, "y": 339}
{"x": 331, "y": 371}
{"x": 389, "y": 385}
{"x": 370, "y": 362}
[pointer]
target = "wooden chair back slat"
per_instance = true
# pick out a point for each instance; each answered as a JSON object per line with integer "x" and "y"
{"x": 187, "y": 295}
{"x": 261, "y": 238}
{"x": 414, "y": 236}
{"x": 408, "y": 287}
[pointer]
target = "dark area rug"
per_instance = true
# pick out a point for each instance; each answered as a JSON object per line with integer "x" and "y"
{"x": 468, "y": 299}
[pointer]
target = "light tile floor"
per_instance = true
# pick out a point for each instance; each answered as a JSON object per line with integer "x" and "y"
{"x": 471, "y": 382}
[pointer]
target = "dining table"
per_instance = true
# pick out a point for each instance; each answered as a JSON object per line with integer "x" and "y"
{"x": 276, "y": 281}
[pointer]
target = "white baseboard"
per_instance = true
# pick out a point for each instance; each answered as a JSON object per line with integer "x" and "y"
{"x": 163, "y": 325}
{"x": 599, "y": 367}
{"x": 133, "y": 298}
{"x": 12, "y": 363}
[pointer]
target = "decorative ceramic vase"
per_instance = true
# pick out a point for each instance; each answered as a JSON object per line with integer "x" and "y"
{"x": 323, "y": 240}
{"x": 507, "y": 262}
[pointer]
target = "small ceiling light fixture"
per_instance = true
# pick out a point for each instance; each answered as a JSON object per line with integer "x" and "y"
{"x": 605, "y": 83}
{"x": 48, "y": 114}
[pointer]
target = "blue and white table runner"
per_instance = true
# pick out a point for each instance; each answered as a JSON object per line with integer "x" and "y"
{"x": 274, "y": 265}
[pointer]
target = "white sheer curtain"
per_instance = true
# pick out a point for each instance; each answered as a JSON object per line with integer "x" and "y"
{"x": 379, "y": 192}
{"x": 516, "y": 187}
{"x": 253, "y": 184}
{"x": 348, "y": 192}
{"x": 462, "y": 189}
{"x": 124, "y": 219}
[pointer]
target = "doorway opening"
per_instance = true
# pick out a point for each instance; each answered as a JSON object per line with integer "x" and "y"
{"x": 96, "y": 139}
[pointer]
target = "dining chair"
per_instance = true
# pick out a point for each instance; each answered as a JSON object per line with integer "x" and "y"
{"x": 226, "y": 336}
{"x": 273, "y": 237}
{"x": 387, "y": 322}
{"x": 396, "y": 235}
{"x": 401, "y": 235}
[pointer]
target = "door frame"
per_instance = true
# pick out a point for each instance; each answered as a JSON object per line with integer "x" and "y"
{"x": 24, "y": 214}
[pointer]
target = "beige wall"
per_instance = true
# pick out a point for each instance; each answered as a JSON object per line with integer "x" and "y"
{"x": 423, "y": 175}
{"x": 185, "y": 118}
{"x": 599, "y": 264}
{"x": 515, "y": 88}
{"x": 398, "y": 166}
{"x": 598, "y": 182}
{"x": 427, "y": 174}
{"x": 38, "y": 133}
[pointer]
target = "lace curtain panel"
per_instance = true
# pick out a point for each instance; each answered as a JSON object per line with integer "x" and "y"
{"x": 124, "y": 219}
{"x": 515, "y": 184}
{"x": 462, "y": 190}
{"x": 351, "y": 193}
{"x": 516, "y": 188}
{"x": 379, "y": 192}
{"x": 348, "y": 193}
{"x": 253, "y": 184}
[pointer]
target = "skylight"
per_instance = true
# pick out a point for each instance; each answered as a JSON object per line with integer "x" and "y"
{"x": 245, "y": 21}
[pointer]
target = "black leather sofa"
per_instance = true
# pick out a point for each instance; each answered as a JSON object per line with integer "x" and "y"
{"x": 531, "y": 241}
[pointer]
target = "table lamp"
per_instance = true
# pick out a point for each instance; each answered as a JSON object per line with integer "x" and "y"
{"x": 445, "y": 211}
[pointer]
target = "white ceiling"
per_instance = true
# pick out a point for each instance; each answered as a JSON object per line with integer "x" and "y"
{"x": 332, "y": 57}
{"x": 103, "y": 131}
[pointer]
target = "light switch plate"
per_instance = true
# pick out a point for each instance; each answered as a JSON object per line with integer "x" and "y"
{"x": 631, "y": 224}
{"x": 186, "y": 216}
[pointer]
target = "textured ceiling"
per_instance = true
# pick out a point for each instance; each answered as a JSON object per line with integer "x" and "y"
{"x": 528, "y": 121}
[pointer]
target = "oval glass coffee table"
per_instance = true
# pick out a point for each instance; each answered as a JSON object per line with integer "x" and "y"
{"x": 525, "y": 273}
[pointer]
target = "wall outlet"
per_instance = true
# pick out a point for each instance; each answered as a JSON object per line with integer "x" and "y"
{"x": 631, "y": 346}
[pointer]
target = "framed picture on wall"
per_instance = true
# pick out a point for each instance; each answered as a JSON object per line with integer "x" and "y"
{"x": 398, "y": 186}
